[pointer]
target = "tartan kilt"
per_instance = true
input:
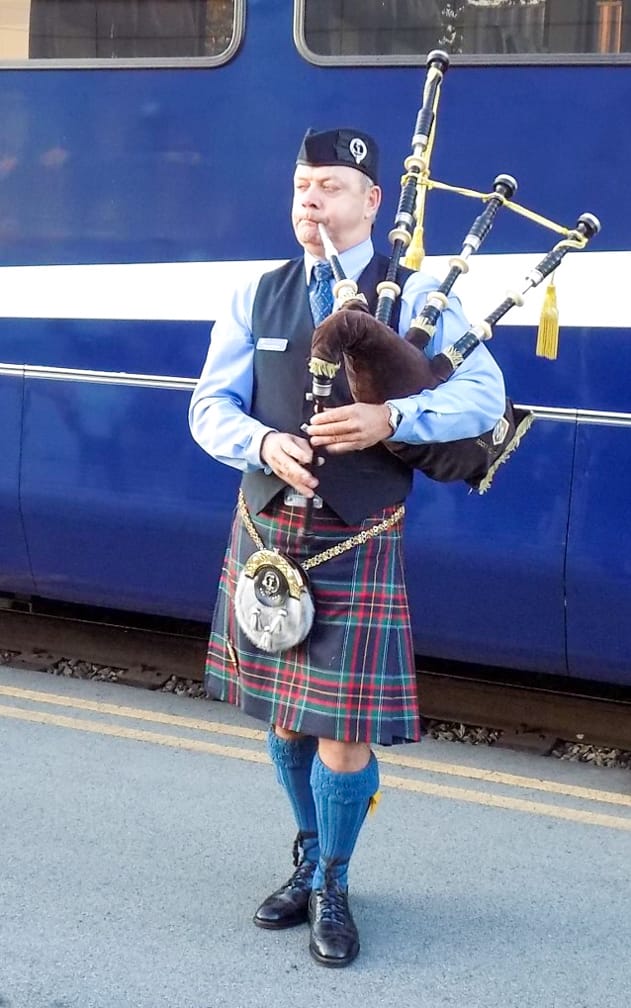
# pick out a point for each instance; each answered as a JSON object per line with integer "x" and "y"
{"x": 353, "y": 679}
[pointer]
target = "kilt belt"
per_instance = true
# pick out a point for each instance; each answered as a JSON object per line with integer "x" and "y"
{"x": 353, "y": 678}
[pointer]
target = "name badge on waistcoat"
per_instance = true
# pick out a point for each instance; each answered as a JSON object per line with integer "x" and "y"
{"x": 269, "y": 343}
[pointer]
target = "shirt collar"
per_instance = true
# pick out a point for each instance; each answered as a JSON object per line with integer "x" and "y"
{"x": 353, "y": 261}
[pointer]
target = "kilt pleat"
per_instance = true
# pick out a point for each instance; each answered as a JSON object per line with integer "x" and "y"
{"x": 353, "y": 679}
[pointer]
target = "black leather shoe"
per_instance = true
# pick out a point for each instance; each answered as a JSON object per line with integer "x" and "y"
{"x": 334, "y": 938}
{"x": 288, "y": 906}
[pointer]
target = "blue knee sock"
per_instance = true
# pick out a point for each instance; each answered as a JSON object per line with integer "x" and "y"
{"x": 341, "y": 802}
{"x": 293, "y": 770}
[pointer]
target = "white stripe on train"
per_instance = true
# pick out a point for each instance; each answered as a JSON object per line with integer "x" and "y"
{"x": 592, "y": 289}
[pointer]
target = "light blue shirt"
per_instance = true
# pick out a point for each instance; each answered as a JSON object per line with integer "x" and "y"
{"x": 466, "y": 405}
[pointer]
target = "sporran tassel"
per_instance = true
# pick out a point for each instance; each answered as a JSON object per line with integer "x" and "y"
{"x": 548, "y": 332}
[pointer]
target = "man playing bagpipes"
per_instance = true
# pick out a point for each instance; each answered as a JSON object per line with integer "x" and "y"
{"x": 323, "y": 657}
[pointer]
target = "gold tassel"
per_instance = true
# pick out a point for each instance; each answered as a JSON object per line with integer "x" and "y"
{"x": 548, "y": 333}
{"x": 415, "y": 253}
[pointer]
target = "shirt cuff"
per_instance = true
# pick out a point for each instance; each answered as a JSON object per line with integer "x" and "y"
{"x": 256, "y": 444}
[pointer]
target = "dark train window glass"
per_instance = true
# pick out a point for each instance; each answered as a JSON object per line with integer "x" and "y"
{"x": 116, "y": 29}
{"x": 382, "y": 28}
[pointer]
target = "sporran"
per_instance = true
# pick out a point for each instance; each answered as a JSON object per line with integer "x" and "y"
{"x": 273, "y": 602}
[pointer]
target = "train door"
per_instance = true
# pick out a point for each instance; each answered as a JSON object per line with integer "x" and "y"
{"x": 599, "y": 553}
{"x": 598, "y": 567}
{"x": 14, "y": 564}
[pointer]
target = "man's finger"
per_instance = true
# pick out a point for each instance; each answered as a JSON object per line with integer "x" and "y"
{"x": 335, "y": 428}
{"x": 339, "y": 447}
{"x": 300, "y": 457}
{"x": 337, "y": 436}
{"x": 298, "y": 449}
{"x": 335, "y": 414}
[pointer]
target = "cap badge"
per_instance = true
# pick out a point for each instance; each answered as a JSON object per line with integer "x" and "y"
{"x": 358, "y": 149}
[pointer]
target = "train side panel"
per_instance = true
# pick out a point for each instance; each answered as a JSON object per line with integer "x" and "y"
{"x": 182, "y": 167}
{"x": 120, "y": 508}
{"x": 486, "y": 574}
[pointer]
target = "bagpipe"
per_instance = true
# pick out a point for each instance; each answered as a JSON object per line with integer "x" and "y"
{"x": 380, "y": 365}
{"x": 273, "y": 603}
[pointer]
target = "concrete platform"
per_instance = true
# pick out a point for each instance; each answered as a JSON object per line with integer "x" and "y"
{"x": 140, "y": 830}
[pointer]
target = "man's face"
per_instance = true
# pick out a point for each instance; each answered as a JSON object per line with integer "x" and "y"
{"x": 341, "y": 198}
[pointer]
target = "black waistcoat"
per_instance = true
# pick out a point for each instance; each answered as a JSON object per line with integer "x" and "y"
{"x": 356, "y": 484}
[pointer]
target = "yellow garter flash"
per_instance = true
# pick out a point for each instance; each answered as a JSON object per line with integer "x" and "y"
{"x": 373, "y": 801}
{"x": 323, "y": 368}
{"x": 548, "y": 332}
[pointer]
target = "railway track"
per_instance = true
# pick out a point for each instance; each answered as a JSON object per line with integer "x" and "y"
{"x": 533, "y": 717}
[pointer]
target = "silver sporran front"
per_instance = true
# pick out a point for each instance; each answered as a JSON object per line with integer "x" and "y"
{"x": 273, "y": 603}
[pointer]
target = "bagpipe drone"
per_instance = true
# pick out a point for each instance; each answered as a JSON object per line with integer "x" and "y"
{"x": 380, "y": 365}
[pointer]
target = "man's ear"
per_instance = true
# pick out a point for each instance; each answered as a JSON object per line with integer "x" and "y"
{"x": 374, "y": 201}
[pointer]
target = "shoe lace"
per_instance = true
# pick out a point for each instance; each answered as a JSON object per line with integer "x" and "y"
{"x": 298, "y": 850}
{"x": 302, "y": 877}
{"x": 334, "y": 897}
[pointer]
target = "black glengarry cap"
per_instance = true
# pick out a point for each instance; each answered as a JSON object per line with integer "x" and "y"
{"x": 349, "y": 147}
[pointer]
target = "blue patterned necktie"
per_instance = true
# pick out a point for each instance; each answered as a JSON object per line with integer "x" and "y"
{"x": 320, "y": 293}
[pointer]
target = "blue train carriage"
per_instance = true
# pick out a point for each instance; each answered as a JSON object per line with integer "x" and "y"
{"x": 145, "y": 157}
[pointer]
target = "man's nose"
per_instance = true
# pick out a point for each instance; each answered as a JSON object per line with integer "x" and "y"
{"x": 310, "y": 196}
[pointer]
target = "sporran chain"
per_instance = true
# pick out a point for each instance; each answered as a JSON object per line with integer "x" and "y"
{"x": 357, "y": 540}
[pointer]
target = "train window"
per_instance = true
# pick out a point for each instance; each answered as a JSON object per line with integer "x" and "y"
{"x": 156, "y": 32}
{"x": 473, "y": 31}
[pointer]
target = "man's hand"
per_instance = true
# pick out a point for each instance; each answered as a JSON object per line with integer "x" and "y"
{"x": 287, "y": 456}
{"x": 349, "y": 428}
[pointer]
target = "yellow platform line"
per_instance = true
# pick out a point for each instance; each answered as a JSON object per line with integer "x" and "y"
{"x": 119, "y": 731}
{"x": 400, "y": 760}
{"x": 514, "y": 804}
{"x": 252, "y": 756}
{"x": 512, "y": 780}
{"x": 136, "y": 713}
